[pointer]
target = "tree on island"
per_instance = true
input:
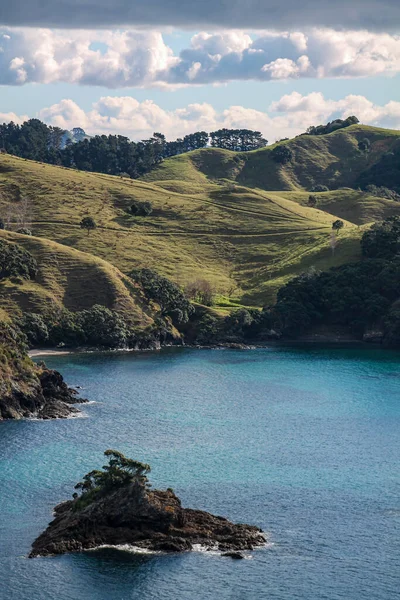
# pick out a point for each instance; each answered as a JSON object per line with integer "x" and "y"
{"x": 88, "y": 223}
{"x": 119, "y": 471}
{"x": 337, "y": 225}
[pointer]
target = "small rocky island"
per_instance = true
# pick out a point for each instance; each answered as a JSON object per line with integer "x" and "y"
{"x": 117, "y": 506}
{"x": 28, "y": 390}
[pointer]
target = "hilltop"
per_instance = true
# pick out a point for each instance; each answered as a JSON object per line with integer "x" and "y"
{"x": 238, "y": 220}
{"x": 333, "y": 160}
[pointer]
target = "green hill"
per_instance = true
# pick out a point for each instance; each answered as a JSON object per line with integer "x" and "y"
{"x": 332, "y": 160}
{"x": 71, "y": 279}
{"x": 238, "y": 220}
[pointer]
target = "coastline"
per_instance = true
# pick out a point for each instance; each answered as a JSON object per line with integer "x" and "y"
{"x": 303, "y": 341}
{"x": 48, "y": 352}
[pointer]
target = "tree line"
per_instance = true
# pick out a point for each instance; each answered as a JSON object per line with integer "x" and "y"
{"x": 114, "y": 154}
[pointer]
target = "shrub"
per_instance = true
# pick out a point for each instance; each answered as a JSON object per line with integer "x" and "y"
{"x": 201, "y": 291}
{"x": 282, "y": 154}
{"x": 382, "y": 240}
{"x": 102, "y": 327}
{"x": 34, "y": 327}
{"x": 169, "y": 296}
{"x": 15, "y": 261}
{"x": 320, "y": 188}
{"x": 24, "y": 231}
{"x": 141, "y": 209}
{"x": 312, "y": 200}
{"x": 364, "y": 145}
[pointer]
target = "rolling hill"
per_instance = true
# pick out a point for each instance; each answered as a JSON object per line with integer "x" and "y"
{"x": 72, "y": 279}
{"x": 238, "y": 220}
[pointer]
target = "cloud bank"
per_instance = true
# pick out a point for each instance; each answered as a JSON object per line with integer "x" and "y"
{"x": 287, "y": 117}
{"x": 256, "y": 14}
{"x": 133, "y": 58}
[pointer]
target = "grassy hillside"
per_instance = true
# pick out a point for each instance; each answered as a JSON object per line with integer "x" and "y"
{"x": 239, "y": 221}
{"x": 332, "y": 160}
{"x": 69, "y": 278}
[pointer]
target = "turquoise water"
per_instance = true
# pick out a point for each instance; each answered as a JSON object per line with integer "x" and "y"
{"x": 303, "y": 442}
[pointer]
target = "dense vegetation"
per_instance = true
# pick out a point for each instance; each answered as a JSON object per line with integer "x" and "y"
{"x": 16, "y": 262}
{"x": 332, "y": 126}
{"x": 359, "y": 296}
{"x": 172, "y": 301}
{"x": 114, "y": 154}
{"x": 97, "y": 326}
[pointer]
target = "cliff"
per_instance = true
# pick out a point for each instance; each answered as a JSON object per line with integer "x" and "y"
{"x": 28, "y": 390}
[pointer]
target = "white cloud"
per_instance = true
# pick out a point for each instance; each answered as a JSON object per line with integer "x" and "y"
{"x": 287, "y": 117}
{"x": 141, "y": 58}
{"x": 10, "y": 116}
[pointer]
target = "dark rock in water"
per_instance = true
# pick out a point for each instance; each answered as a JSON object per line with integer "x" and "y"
{"x": 134, "y": 515}
{"x": 30, "y": 390}
{"x": 235, "y": 555}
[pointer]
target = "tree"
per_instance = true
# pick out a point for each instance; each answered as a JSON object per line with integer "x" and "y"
{"x": 238, "y": 140}
{"x": 201, "y": 291}
{"x": 337, "y": 225}
{"x": 282, "y": 154}
{"x": 320, "y": 188}
{"x": 15, "y": 261}
{"x": 364, "y": 145}
{"x": 102, "y": 326}
{"x": 119, "y": 471}
{"x": 88, "y": 223}
{"x": 312, "y": 200}
{"x": 141, "y": 209}
{"x": 382, "y": 240}
{"x": 167, "y": 295}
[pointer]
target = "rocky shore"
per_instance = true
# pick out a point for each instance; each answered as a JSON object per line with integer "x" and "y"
{"x": 28, "y": 390}
{"x": 135, "y": 515}
{"x": 44, "y": 396}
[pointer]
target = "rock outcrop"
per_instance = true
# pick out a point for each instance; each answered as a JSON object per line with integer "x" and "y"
{"x": 28, "y": 390}
{"x": 134, "y": 515}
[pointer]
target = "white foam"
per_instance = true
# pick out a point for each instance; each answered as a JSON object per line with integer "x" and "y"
{"x": 124, "y": 548}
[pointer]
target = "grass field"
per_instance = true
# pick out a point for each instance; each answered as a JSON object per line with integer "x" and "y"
{"x": 69, "y": 278}
{"x": 239, "y": 221}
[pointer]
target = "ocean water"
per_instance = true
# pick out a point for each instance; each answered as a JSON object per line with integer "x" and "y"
{"x": 304, "y": 442}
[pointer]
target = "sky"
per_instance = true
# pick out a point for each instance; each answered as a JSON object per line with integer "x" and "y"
{"x": 176, "y": 66}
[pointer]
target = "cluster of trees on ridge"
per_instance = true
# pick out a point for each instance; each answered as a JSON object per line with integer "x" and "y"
{"x": 114, "y": 154}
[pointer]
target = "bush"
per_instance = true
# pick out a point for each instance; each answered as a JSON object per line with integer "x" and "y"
{"x": 15, "y": 261}
{"x": 332, "y": 126}
{"x": 382, "y": 192}
{"x": 201, "y": 291}
{"x": 172, "y": 301}
{"x": 364, "y": 145}
{"x": 312, "y": 200}
{"x": 102, "y": 327}
{"x": 34, "y": 327}
{"x": 141, "y": 209}
{"x": 320, "y": 188}
{"x": 382, "y": 240}
{"x": 282, "y": 154}
{"x": 24, "y": 231}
